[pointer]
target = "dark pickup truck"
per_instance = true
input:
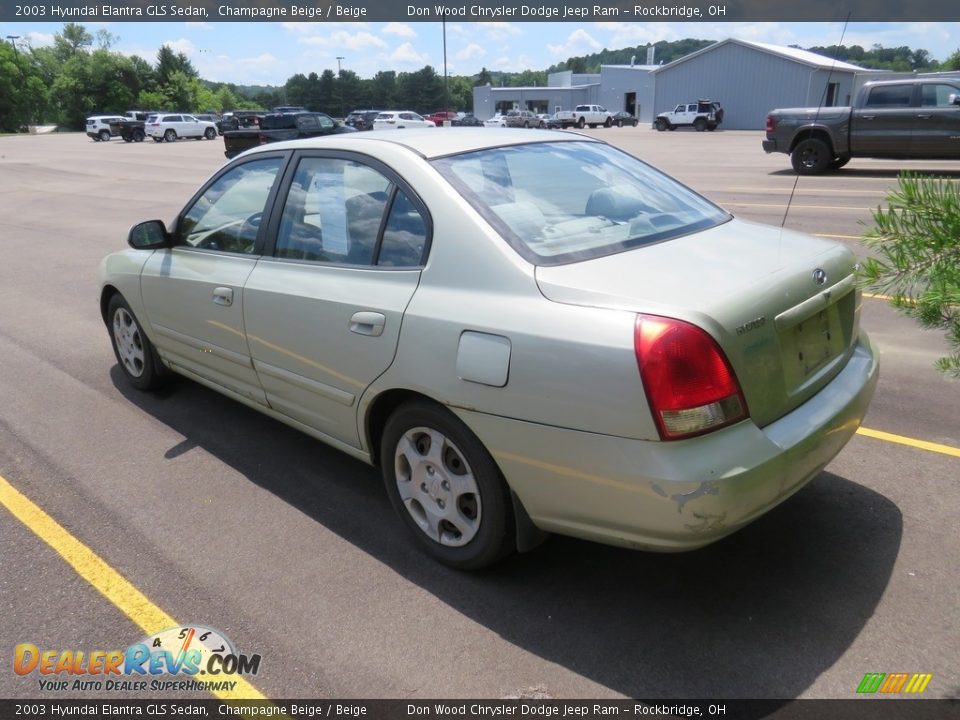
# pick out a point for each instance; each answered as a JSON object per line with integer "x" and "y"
{"x": 275, "y": 127}
{"x": 131, "y": 126}
{"x": 911, "y": 119}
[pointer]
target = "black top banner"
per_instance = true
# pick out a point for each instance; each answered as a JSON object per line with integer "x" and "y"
{"x": 501, "y": 11}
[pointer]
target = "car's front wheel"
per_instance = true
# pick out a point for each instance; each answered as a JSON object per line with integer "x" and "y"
{"x": 134, "y": 351}
{"x": 170, "y": 135}
{"x": 446, "y": 487}
{"x": 210, "y": 133}
{"x": 104, "y": 135}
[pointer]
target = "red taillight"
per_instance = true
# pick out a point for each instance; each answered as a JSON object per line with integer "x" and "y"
{"x": 771, "y": 123}
{"x": 690, "y": 385}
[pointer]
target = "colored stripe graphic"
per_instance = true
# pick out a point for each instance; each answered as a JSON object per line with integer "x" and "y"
{"x": 893, "y": 683}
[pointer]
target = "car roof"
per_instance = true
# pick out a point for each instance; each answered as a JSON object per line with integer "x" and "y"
{"x": 428, "y": 142}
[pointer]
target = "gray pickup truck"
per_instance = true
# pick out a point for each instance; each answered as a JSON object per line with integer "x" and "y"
{"x": 913, "y": 118}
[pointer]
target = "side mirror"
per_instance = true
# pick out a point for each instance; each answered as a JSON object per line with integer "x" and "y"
{"x": 148, "y": 235}
{"x": 953, "y": 98}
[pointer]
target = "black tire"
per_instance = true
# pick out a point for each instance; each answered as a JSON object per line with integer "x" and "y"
{"x": 811, "y": 157}
{"x": 839, "y": 162}
{"x": 526, "y": 125}
{"x": 699, "y": 124}
{"x": 210, "y": 134}
{"x": 170, "y": 135}
{"x": 580, "y": 123}
{"x": 619, "y": 123}
{"x": 607, "y": 123}
{"x": 487, "y": 513}
{"x": 661, "y": 124}
{"x": 104, "y": 135}
{"x": 95, "y": 138}
{"x": 139, "y": 135}
{"x": 127, "y": 137}
{"x": 134, "y": 352}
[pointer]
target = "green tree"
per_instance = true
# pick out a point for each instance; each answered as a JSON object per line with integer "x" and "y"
{"x": 483, "y": 78}
{"x": 23, "y": 92}
{"x": 72, "y": 39}
{"x": 952, "y": 62}
{"x": 916, "y": 246}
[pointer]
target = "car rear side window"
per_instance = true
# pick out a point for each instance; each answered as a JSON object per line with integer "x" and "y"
{"x": 227, "y": 215}
{"x": 345, "y": 212}
{"x": 560, "y": 202}
{"x": 891, "y": 96}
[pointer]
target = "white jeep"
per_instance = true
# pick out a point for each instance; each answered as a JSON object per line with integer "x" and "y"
{"x": 702, "y": 115}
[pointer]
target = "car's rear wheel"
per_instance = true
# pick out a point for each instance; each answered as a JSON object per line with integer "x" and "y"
{"x": 699, "y": 124}
{"x": 607, "y": 123}
{"x": 811, "y": 156}
{"x": 170, "y": 135}
{"x": 210, "y": 134}
{"x": 661, "y": 124}
{"x": 104, "y": 135}
{"x": 134, "y": 351}
{"x": 446, "y": 487}
{"x": 139, "y": 135}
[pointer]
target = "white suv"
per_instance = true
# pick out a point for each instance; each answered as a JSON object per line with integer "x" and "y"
{"x": 98, "y": 126}
{"x": 170, "y": 126}
{"x": 398, "y": 119}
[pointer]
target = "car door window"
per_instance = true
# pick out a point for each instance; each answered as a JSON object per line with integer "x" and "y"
{"x": 227, "y": 215}
{"x": 404, "y": 235}
{"x": 937, "y": 95}
{"x": 333, "y": 212}
{"x": 891, "y": 96}
{"x": 173, "y": 119}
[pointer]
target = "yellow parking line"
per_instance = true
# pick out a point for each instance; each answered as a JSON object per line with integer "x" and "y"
{"x": 838, "y": 237}
{"x": 877, "y": 296}
{"x": 107, "y": 581}
{"x": 912, "y": 442}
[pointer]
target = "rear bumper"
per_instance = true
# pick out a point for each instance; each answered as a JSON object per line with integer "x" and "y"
{"x": 770, "y": 146}
{"x": 677, "y": 495}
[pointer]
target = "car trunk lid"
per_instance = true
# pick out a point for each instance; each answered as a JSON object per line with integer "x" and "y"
{"x": 781, "y": 305}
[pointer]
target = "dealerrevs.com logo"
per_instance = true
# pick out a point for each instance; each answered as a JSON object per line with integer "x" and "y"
{"x": 190, "y": 658}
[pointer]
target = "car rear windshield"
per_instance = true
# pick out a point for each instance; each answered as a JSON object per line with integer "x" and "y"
{"x": 561, "y": 202}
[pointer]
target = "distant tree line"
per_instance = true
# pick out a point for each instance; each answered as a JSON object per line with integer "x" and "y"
{"x": 79, "y": 75}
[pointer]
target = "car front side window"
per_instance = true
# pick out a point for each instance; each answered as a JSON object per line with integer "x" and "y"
{"x": 227, "y": 215}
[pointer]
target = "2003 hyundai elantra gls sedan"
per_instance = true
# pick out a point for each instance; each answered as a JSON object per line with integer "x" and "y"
{"x": 527, "y": 334}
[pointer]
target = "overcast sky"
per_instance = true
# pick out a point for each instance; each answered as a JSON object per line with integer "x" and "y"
{"x": 270, "y": 52}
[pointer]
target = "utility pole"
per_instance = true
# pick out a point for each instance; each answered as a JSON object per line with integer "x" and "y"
{"x": 446, "y": 84}
{"x": 13, "y": 41}
{"x": 340, "y": 82}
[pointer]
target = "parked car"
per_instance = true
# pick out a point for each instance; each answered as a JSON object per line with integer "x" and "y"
{"x": 527, "y": 333}
{"x": 497, "y": 120}
{"x": 276, "y": 127}
{"x": 210, "y": 117}
{"x": 468, "y": 120}
{"x": 914, "y": 118}
{"x": 441, "y": 116}
{"x": 585, "y": 115}
{"x": 239, "y": 119}
{"x": 131, "y": 127}
{"x": 400, "y": 119}
{"x": 624, "y": 118}
{"x": 554, "y": 123}
{"x": 98, "y": 127}
{"x": 543, "y": 119}
{"x": 361, "y": 119}
{"x": 173, "y": 126}
{"x": 521, "y": 119}
{"x": 701, "y": 115}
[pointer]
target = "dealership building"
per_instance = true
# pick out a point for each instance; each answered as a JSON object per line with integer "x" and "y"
{"x": 748, "y": 78}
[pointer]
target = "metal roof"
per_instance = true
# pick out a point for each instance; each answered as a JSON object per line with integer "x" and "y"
{"x": 804, "y": 57}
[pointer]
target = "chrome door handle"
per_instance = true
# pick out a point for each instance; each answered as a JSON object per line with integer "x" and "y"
{"x": 223, "y": 296}
{"x": 924, "y": 117}
{"x": 368, "y": 323}
{"x": 868, "y": 117}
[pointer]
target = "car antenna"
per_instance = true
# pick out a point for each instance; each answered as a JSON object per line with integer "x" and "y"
{"x": 816, "y": 115}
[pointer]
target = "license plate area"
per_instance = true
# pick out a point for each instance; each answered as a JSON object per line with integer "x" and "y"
{"x": 810, "y": 344}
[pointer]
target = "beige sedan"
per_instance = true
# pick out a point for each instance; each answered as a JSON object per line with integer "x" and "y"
{"x": 528, "y": 333}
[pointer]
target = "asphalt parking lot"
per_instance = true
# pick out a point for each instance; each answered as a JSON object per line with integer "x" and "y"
{"x": 222, "y": 517}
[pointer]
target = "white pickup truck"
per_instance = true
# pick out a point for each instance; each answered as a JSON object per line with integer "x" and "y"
{"x": 591, "y": 115}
